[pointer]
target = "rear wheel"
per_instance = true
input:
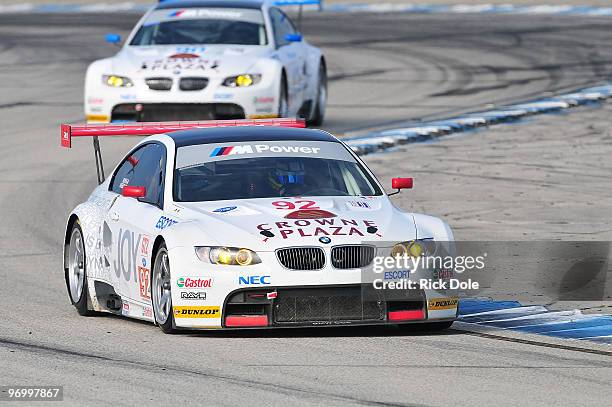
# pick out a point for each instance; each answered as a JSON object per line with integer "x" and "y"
{"x": 283, "y": 104}
{"x": 162, "y": 291}
{"x": 318, "y": 113}
{"x": 76, "y": 272}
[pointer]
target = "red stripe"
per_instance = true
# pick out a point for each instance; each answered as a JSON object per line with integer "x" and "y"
{"x": 412, "y": 315}
{"x": 247, "y": 320}
{"x": 146, "y": 129}
{"x": 227, "y": 150}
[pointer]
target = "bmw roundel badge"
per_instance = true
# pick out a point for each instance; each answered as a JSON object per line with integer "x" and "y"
{"x": 324, "y": 240}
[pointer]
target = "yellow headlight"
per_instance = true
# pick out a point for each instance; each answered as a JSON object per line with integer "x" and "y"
{"x": 416, "y": 250}
{"x": 244, "y": 257}
{"x": 224, "y": 256}
{"x": 115, "y": 81}
{"x": 399, "y": 250}
{"x": 244, "y": 80}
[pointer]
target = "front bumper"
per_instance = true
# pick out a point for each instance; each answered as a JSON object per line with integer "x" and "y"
{"x": 269, "y": 296}
{"x": 104, "y": 104}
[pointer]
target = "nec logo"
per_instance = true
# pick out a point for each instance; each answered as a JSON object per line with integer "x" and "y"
{"x": 254, "y": 280}
{"x": 262, "y": 149}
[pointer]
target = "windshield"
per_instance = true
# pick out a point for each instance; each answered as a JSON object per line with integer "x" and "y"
{"x": 202, "y": 26}
{"x": 222, "y": 175}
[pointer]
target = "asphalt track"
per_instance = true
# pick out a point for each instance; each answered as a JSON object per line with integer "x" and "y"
{"x": 384, "y": 69}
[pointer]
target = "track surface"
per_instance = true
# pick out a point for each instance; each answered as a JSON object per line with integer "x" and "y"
{"x": 384, "y": 69}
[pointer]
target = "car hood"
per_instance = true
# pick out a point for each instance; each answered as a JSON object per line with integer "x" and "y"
{"x": 146, "y": 61}
{"x": 269, "y": 224}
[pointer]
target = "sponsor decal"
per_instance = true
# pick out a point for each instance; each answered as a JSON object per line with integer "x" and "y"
{"x": 359, "y": 204}
{"x": 196, "y": 312}
{"x": 125, "y": 309}
{"x": 396, "y": 274}
{"x": 202, "y": 12}
{"x": 164, "y": 222}
{"x": 128, "y": 97}
{"x": 147, "y": 312}
{"x": 180, "y": 62}
{"x": 127, "y": 248}
{"x": 272, "y": 295}
{"x": 223, "y": 96}
{"x": 196, "y": 282}
{"x": 190, "y": 50}
{"x": 193, "y": 295}
{"x": 263, "y": 99}
{"x": 442, "y": 274}
{"x": 95, "y": 101}
{"x": 262, "y": 149}
{"x": 319, "y": 227}
{"x": 225, "y": 209}
{"x": 310, "y": 214}
{"x": 143, "y": 282}
{"x": 254, "y": 280}
{"x": 437, "y": 304}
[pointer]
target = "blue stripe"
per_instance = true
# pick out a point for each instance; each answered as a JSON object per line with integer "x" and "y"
{"x": 536, "y": 320}
{"x": 216, "y": 151}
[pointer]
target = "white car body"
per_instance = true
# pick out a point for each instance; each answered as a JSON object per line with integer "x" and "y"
{"x": 121, "y": 233}
{"x": 294, "y": 67}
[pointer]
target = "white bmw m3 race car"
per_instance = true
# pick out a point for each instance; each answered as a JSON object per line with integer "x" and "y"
{"x": 209, "y": 59}
{"x": 240, "y": 225}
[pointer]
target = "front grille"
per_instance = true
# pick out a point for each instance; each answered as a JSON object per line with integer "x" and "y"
{"x": 193, "y": 83}
{"x": 159, "y": 83}
{"x": 352, "y": 257}
{"x": 161, "y": 112}
{"x": 325, "y": 305}
{"x": 301, "y": 258}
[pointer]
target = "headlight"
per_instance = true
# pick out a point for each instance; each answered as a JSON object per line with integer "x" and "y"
{"x": 414, "y": 248}
{"x": 117, "y": 81}
{"x": 229, "y": 256}
{"x": 242, "y": 81}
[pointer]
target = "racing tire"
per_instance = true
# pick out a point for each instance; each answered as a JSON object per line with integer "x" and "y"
{"x": 76, "y": 272}
{"x": 161, "y": 291}
{"x": 318, "y": 112}
{"x": 283, "y": 103}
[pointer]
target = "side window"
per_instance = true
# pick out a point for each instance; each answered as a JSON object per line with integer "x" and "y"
{"x": 281, "y": 25}
{"x": 144, "y": 167}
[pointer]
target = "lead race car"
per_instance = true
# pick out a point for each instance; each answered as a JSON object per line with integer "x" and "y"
{"x": 209, "y": 59}
{"x": 242, "y": 224}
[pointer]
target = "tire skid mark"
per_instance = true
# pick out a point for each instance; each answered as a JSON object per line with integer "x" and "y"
{"x": 258, "y": 385}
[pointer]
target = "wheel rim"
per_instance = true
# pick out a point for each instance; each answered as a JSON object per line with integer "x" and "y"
{"x": 162, "y": 296}
{"x": 76, "y": 265}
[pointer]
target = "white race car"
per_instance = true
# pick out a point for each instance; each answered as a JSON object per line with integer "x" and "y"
{"x": 260, "y": 225}
{"x": 209, "y": 59}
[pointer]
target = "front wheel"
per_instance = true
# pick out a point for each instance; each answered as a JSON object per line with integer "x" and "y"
{"x": 318, "y": 113}
{"x": 283, "y": 103}
{"x": 76, "y": 272}
{"x": 162, "y": 291}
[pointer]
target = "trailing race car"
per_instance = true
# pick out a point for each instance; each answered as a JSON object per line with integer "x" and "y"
{"x": 209, "y": 59}
{"x": 243, "y": 224}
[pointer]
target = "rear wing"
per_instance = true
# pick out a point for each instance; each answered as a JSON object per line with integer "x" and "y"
{"x": 68, "y": 131}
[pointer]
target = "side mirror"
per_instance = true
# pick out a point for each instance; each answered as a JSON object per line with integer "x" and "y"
{"x": 134, "y": 192}
{"x": 401, "y": 183}
{"x": 293, "y": 37}
{"x": 113, "y": 38}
